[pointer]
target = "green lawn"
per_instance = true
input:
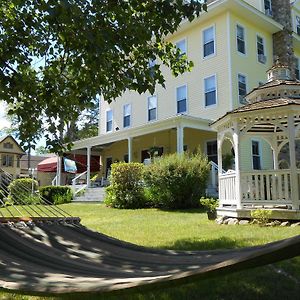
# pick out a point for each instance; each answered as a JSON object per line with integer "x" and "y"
{"x": 191, "y": 230}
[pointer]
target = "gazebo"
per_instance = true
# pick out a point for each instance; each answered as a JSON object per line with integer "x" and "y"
{"x": 267, "y": 127}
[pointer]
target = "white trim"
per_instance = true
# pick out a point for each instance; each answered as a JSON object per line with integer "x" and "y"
{"x": 245, "y": 39}
{"x": 228, "y": 19}
{"x": 264, "y": 45}
{"x": 123, "y": 116}
{"x": 216, "y": 87}
{"x": 213, "y": 26}
{"x": 112, "y": 120}
{"x": 260, "y": 153}
{"x": 185, "y": 42}
{"x": 246, "y": 81}
{"x": 176, "y": 100}
{"x": 156, "y": 115}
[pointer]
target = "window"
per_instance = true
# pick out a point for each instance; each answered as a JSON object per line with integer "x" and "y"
{"x": 181, "y": 95}
{"x": 212, "y": 151}
{"x": 109, "y": 121}
{"x": 260, "y": 50}
{"x": 181, "y": 45}
{"x": 208, "y": 41}
{"x": 8, "y": 145}
{"x": 210, "y": 90}
{"x": 240, "y": 39}
{"x": 268, "y": 8}
{"x": 297, "y": 69}
{"x": 7, "y": 160}
{"x": 242, "y": 87}
{"x": 298, "y": 25}
{"x": 152, "y": 108}
{"x": 126, "y": 115}
{"x": 256, "y": 155}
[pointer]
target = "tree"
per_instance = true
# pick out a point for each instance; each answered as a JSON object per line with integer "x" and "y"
{"x": 56, "y": 56}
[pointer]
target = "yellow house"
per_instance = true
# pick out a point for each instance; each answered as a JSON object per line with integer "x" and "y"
{"x": 10, "y": 155}
{"x": 232, "y": 46}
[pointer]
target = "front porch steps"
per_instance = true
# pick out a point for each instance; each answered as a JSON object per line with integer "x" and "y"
{"x": 245, "y": 213}
{"x": 93, "y": 195}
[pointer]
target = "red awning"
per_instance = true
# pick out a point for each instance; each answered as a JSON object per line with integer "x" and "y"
{"x": 50, "y": 164}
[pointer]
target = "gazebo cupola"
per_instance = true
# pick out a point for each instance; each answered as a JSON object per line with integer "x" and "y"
{"x": 265, "y": 137}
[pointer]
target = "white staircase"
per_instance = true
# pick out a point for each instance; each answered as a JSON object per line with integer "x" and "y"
{"x": 212, "y": 189}
{"x": 95, "y": 194}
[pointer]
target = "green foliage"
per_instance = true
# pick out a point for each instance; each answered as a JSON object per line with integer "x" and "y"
{"x": 21, "y": 191}
{"x": 262, "y": 215}
{"x": 58, "y": 54}
{"x": 57, "y": 194}
{"x": 210, "y": 204}
{"x": 177, "y": 180}
{"x": 126, "y": 186}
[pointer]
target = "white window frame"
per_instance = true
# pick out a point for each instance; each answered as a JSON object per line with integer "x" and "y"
{"x": 210, "y": 141}
{"x": 246, "y": 83}
{"x": 214, "y": 39}
{"x": 245, "y": 39}
{"x": 297, "y": 68}
{"x": 112, "y": 120}
{"x": 264, "y": 49}
{"x": 270, "y": 9}
{"x": 148, "y": 109}
{"x": 216, "y": 89}
{"x": 297, "y": 24}
{"x": 186, "y": 99}
{"x": 259, "y": 153}
{"x": 130, "y": 114}
{"x": 185, "y": 45}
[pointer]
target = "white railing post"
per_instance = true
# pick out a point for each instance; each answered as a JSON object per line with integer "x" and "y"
{"x": 236, "y": 142}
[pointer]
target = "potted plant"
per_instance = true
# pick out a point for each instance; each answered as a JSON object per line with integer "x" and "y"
{"x": 210, "y": 205}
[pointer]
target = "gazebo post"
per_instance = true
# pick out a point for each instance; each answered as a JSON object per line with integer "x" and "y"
{"x": 236, "y": 144}
{"x": 293, "y": 167}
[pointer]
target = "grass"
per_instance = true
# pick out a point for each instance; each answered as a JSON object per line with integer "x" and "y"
{"x": 190, "y": 230}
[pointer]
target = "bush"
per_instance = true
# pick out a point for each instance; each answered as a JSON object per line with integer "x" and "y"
{"x": 57, "y": 194}
{"x": 21, "y": 191}
{"x": 177, "y": 180}
{"x": 209, "y": 204}
{"x": 126, "y": 186}
{"x": 262, "y": 215}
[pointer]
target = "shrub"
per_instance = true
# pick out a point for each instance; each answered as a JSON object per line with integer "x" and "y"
{"x": 177, "y": 180}
{"x": 210, "y": 204}
{"x": 262, "y": 215}
{"x": 21, "y": 191}
{"x": 126, "y": 186}
{"x": 57, "y": 194}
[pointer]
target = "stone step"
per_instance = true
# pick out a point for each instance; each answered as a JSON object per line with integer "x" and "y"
{"x": 91, "y": 195}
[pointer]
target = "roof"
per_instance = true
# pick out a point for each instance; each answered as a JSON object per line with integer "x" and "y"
{"x": 275, "y": 83}
{"x": 34, "y": 160}
{"x": 3, "y": 138}
{"x": 263, "y": 104}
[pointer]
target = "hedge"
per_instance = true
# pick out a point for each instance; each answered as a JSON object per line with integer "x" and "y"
{"x": 21, "y": 191}
{"x": 56, "y": 194}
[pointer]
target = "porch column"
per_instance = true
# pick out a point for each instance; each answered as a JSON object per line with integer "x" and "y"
{"x": 58, "y": 171}
{"x": 238, "y": 189}
{"x": 219, "y": 149}
{"x": 294, "y": 176}
{"x": 88, "y": 166}
{"x": 180, "y": 135}
{"x": 129, "y": 149}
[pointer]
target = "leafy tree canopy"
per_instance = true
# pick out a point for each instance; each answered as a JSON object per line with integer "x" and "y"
{"x": 56, "y": 56}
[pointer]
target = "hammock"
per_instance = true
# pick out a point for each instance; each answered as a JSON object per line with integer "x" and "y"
{"x": 56, "y": 257}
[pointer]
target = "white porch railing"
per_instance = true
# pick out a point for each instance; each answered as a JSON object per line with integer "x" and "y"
{"x": 227, "y": 189}
{"x": 54, "y": 181}
{"x": 213, "y": 185}
{"x": 78, "y": 187}
{"x": 266, "y": 187}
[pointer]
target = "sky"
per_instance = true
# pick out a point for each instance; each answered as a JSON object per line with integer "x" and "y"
{"x": 3, "y": 121}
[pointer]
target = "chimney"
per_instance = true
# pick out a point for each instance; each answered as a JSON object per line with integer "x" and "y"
{"x": 283, "y": 49}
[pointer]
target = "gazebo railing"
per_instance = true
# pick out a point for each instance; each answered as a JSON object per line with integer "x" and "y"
{"x": 227, "y": 189}
{"x": 266, "y": 187}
